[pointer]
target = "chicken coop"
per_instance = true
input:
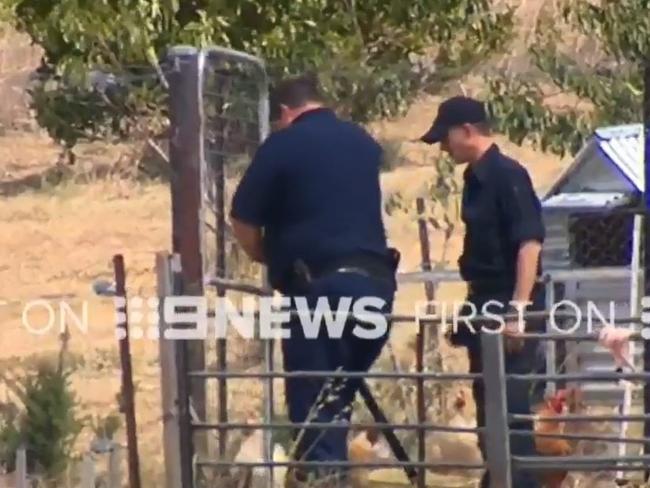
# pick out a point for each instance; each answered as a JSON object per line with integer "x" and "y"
{"x": 592, "y": 251}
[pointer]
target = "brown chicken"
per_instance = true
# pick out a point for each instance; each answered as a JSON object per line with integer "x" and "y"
{"x": 368, "y": 446}
{"x": 549, "y": 446}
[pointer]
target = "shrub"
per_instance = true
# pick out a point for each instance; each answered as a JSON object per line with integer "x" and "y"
{"x": 47, "y": 425}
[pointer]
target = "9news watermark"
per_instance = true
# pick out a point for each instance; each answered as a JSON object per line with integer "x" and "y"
{"x": 192, "y": 317}
{"x": 197, "y": 318}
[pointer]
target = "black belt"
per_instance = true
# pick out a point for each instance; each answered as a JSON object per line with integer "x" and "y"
{"x": 369, "y": 265}
{"x": 480, "y": 287}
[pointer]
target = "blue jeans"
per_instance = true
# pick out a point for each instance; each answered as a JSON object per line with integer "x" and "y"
{"x": 519, "y": 394}
{"x": 347, "y": 352}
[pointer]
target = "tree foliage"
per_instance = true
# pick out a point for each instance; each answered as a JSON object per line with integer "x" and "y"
{"x": 367, "y": 53}
{"x": 47, "y": 425}
{"x": 607, "y": 90}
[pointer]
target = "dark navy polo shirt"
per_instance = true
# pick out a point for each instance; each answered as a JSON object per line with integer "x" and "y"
{"x": 314, "y": 187}
{"x": 500, "y": 210}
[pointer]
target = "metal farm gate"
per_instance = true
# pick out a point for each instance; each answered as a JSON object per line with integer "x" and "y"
{"x": 215, "y": 388}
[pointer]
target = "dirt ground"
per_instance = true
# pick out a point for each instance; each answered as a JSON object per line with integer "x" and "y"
{"x": 57, "y": 241}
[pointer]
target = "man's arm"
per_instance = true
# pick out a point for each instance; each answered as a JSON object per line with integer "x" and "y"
{"x": 252, "y": 202}
{"x": 527, "y": 261}
{"x": 249, "y": 238}
{"x": 523, "y": 216}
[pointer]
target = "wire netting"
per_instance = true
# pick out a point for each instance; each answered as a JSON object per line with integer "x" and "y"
{"x": 597, "y": 239}
{"x": 234, "y": 118}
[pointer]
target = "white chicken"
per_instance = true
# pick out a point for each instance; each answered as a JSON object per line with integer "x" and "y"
{"x": 279, "y": 473}
{"x": 455, "y": 447}
{"x": 252, "y": 451}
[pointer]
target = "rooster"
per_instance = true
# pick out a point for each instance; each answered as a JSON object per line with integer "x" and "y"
{"x": 549, "y": 446}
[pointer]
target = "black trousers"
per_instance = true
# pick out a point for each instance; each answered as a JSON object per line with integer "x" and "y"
{"x": 351, "y": 352}
{"x": 519, "y": 394}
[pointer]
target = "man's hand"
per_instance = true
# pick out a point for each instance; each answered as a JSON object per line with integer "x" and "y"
{"x": 527, "y": 261}
{"x": 514, "y": 343}
{"x": 514, "y": 327}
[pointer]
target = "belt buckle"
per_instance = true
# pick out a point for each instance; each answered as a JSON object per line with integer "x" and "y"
{"x": 352, "y": 269}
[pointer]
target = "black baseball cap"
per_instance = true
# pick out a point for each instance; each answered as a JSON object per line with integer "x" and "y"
{"x": 453, "y": 112}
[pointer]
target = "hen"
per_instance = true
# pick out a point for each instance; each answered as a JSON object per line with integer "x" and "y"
{"x": 366, "y": 447}
{"x": 549, "y": 446}
{"x": 252, "y": 451}
{"x": 593, "y": 447}
{"x": 455, "y": 447}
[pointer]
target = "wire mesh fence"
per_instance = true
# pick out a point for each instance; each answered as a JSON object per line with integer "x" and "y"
{"x": 598, "y": 240}
{"x": 234, "y": 104}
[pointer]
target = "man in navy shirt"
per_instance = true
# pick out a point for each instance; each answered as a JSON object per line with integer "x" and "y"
{"x": 309, "y": 208}
{"x": 501, "y": 261}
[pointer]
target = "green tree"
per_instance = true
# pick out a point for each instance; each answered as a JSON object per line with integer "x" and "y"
{"x": 47, "y": 425}
{"x": 367, "y": 52}
{"x": 609, "y": 88}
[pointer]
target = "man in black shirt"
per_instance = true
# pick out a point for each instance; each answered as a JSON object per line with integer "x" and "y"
{"x": 501, "y": 254}
{"x": 309, "y": 207}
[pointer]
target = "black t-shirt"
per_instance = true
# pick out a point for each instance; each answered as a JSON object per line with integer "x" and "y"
{"x": 500, "y": 210}
{"x": 314, "y": 187}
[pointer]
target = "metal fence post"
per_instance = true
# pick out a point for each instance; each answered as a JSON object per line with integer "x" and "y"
{"x": 263, "y": 110}
{"x": 269, "y": 414}
{"x": 127, "y": 389}
{"x": 551, "y": 350}
{"x": 646, "y": 238}
{"x": 420, "y": 345}
{"x": 496, "y": 433}
{"x": 168, "y": 378}
{"x": 21, "y": 468}
{"x": 186, "y": 436}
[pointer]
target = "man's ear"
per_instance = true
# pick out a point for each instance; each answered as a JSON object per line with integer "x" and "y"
{"x": 469, "y": 129}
